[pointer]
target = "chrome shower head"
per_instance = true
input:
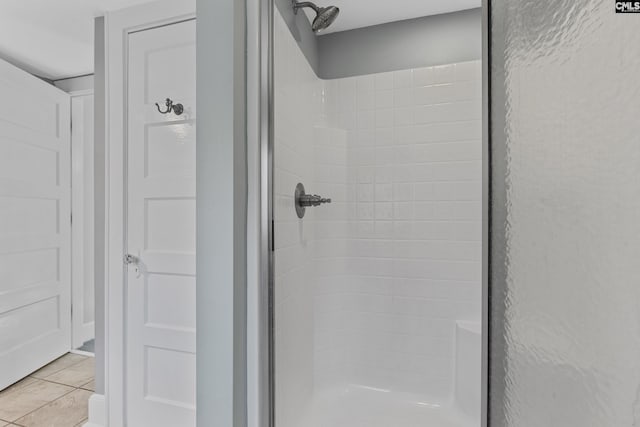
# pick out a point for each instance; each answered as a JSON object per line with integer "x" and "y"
{"x": 325, "y": 16}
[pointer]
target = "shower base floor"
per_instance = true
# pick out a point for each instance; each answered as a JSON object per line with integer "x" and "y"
{"x": 357, "y": 406}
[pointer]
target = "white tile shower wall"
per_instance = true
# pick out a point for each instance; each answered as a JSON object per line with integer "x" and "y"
{"x": 368, "y": 289}
{"x": 297, "y": 111}
{"x": 405, "y": 266}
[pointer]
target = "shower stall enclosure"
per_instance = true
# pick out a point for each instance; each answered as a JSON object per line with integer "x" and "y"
{"x": 377, "y": 295}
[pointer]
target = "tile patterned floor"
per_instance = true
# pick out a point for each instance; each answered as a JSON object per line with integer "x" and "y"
{"x": 54, "y": 396}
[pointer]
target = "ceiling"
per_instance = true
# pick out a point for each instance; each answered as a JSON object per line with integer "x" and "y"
{"x": 364, "y": 13}
{"x": 54, "y": 38}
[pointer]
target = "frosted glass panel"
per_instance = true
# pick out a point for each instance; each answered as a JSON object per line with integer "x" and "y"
{"x": 566, "y": 214}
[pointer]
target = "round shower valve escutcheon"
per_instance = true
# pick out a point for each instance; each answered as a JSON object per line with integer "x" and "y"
{"x": 303, "y": 200}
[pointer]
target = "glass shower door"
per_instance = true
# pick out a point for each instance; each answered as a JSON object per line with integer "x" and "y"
{"x": 566, "y": 203}
{"x": 376, "y": 295}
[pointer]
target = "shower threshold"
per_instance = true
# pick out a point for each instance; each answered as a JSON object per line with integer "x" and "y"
{"x": 358, "y": 406}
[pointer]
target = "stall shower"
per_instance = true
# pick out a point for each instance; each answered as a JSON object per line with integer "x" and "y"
{"x": 378, "y": 293}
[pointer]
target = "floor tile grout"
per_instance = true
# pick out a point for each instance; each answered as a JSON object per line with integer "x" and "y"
{"x": 60, "y": 370}
{"x": 67, "y": 385}
{"x": 40, "y": 407}
{"x": 52, "y": 401}
{"x": 72, "y": 389}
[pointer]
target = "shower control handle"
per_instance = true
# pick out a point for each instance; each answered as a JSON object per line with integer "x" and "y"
{"x": 312, "y": 200}
{"x": 304, "y": 200}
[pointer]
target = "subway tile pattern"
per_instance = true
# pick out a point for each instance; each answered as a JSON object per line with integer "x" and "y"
{"x": 407, "y": 264}
{"x": 298, "y": 106}
{"x": 368, "y": 289}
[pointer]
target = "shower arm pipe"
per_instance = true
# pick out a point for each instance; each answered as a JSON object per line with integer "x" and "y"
{"x": 300, "y": 5}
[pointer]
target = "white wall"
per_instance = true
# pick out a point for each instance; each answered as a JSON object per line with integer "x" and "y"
{"x": 396, "y": 256}
{"x": 297, "y": 110}
{"x": 410, "y": 265}
{"x": 221, "y": 212}
{"x": 99, "y": 131}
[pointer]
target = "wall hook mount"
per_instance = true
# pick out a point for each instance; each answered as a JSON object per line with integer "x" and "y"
{"x": 178, "y": 109}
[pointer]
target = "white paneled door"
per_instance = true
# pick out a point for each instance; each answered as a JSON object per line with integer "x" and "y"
{"x": 35, "y": 233}
{"x": 160, "y": 228}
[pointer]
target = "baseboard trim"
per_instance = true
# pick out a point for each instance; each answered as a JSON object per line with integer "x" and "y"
{"x": 97, "y": 411}
{"x": 83, "y": 353}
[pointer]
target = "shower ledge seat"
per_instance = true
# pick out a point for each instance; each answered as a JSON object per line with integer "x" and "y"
{"x": 358, "y": 406}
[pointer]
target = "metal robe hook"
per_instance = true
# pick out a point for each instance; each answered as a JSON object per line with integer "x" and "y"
{"x": 178, "y": 109}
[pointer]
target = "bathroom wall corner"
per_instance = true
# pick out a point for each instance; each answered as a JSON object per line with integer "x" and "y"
{"x": 300, "y": 28}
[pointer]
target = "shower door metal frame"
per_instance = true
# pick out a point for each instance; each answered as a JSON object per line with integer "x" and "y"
{"x": 485, "y": 415}
{"x": 266, "y": 315}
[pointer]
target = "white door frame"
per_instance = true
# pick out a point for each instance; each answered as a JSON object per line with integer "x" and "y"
{"x": 80, "y": 331}
{"x": 118, "y": 26}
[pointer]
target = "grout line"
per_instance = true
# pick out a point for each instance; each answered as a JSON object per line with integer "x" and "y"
{"x": 67, "y": 385}
{"x": 51, "y": 401}
{"x": 62, "y": 369}
{"x": 82, "y": 386}
{"x": 73, "y": 388}
{"x": 40, "y": 407}
{"x": 54, "y": 400}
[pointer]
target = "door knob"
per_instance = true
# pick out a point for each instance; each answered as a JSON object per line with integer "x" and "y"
{"x": 131, "y": 259}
